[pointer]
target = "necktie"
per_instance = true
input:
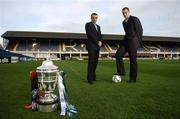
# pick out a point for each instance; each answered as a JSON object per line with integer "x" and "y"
{"x": 96, "y": 27}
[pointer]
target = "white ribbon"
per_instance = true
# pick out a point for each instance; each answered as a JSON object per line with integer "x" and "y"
{"x": 65, "y": 106}
{"x": 62, "y": 92}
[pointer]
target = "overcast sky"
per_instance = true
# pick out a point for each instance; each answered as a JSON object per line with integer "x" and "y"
{"x": 158, "y": 17}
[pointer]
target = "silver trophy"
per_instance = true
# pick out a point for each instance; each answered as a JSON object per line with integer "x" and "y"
{"x": 47, "y": 82}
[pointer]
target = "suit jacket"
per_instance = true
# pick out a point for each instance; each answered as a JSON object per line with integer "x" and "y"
{"x": 133, "y": 32}
{"x": 93, "y": 36}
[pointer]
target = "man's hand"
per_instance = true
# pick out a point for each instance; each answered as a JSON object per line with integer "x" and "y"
{"x": 99, "y": 43}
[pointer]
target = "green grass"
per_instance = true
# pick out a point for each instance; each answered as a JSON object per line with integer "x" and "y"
{"x": 156, "y": 95}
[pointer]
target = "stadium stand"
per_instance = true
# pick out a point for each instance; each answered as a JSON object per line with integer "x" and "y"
{"x": 72, "y": 45}
{"x": 7, "y": 56}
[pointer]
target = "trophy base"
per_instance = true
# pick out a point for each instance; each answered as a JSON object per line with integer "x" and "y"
{"x": 47, "y": 107}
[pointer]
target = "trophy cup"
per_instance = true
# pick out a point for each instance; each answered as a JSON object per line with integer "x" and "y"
{"x": 47, "y": 82}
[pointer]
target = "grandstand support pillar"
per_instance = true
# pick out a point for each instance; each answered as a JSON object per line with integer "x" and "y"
{"x": 157, "y": 55}
{"x": 70, "y": 55}
{"x": 16, "y": 45}
{"x": 59, "y": 46}
{"x": 26, "y": 45}
{"x": 49, "y": 43}
{"x": 3, "y": 45}
{"x": 38, "y": 54}
{"x": 62, "y": 46}
{"x": 60, "y": 57}
{"x": 177, "y": 55}
{"x": 80, "y": 55}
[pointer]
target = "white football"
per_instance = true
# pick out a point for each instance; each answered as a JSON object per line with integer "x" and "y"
{"x": 116, "y": 78}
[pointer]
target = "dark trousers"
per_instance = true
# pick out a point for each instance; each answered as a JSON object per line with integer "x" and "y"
{"x": 93, "y": 55}
{"x": 133, "y": 61}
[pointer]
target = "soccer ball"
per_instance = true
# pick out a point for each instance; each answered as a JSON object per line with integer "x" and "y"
{"x": 116, "y": 78}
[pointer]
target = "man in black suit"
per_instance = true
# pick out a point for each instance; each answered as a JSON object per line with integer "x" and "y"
{"x": 132, "y": 40}
{"x": 93, "y": 44}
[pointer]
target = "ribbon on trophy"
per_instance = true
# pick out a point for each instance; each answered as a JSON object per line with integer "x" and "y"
{"x": 66, "y": 108}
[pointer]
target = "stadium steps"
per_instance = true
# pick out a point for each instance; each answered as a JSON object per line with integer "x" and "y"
{"x": 107, "y": 47}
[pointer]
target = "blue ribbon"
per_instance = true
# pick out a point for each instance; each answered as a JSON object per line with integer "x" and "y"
{"x": 66, "y": 108}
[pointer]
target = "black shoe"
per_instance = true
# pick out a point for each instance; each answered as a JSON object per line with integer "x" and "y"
{"x": 90, "y": 82}
{"x": 119, "y": 74}
{"x": 132, "y": 81}
{"x": 94, "y": 80}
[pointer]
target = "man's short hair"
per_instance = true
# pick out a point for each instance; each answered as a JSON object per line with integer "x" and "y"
{"x": 94, "y": 14}
{"x": 125, "y": 8}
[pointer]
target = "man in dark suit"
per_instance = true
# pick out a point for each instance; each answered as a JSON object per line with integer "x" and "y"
{"x": 132, "y": 40}
{"x": 93, "y": 44}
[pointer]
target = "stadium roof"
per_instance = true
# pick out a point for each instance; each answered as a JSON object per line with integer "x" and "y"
{"x": 10, "y": 35}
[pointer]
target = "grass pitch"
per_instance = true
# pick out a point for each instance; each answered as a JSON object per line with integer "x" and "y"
{"x": 156, "y": 95}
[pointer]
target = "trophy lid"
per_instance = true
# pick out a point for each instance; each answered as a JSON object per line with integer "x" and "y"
{"x": 47, "y": 66}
